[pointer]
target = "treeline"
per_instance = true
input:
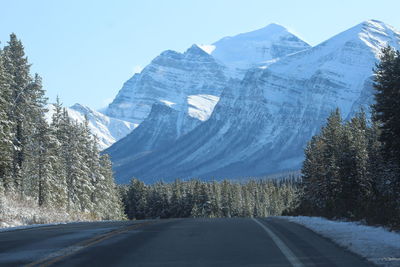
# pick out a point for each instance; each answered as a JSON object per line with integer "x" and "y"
{"x": 352, "y": 169}
{"x": 57, "y": 164}
{"x": 195, "y": 198}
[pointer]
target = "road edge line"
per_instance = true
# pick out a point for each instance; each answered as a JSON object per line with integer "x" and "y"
{"x": 281, "y": 245}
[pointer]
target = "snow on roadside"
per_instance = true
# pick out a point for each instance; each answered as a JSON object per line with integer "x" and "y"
{"x": 12, "y": 228}
{"x": 20, "y": 212}
{"x": 376, "y": 244}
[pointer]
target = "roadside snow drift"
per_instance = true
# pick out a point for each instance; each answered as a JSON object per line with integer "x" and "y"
{"x": 376, "y": 244}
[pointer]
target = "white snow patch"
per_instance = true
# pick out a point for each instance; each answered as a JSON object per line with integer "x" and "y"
{"x": 201, "y": 106}
{"x": 207, "y": 48}
{"x": 168, "y": 103}
{"x": 17, "y": 212}
{"x": 376, "y": 244}
{"x": 137, "y": 69}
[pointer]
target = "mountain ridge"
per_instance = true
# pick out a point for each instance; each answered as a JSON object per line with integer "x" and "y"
{"x": 261, "y": 124}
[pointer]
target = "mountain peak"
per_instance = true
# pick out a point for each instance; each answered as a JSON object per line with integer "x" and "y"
{"x": 169, "y": 53}
{"x": 376, "y": 25}
{"x": 250, "y": 49}
{"x": 273, "y": 28}
{"x": 195, "y": 50}
{"x": 79, "y": 107}
{"x": 376, "y": 34}
{"x": 372, "y": 33}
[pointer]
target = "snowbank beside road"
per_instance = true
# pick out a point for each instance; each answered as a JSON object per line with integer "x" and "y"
{"x": 18, "y": 212}
{"x": 376, "y": 244}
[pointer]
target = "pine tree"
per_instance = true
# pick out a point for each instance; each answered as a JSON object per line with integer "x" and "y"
{"x": 82, "y": 176}
{"x": 137, "y": 200}
{"x": 176, "y": 203}
{"x": 387, "y": 106}
{"x": 226, "y": 199}
{"x": 108, "y": 199}
{"x": 58, "y": 143}
{"x": 387, "y": 116}
{"x": 321, "y": 169}
{"x": 356, "y": 180}
{"x": 5, "y": 128}
{"x": 332, "y": 135}
{"x": 17, "y": 68}
{"x": 36, "y": 169}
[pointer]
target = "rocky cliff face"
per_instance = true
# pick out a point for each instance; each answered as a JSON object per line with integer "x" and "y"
{"x": 262, "y": 123}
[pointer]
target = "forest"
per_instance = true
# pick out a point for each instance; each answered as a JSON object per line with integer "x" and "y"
{"x": 53, "y": 165}
{"x": 195, "y": 198}
{"x": 352, "y": 169}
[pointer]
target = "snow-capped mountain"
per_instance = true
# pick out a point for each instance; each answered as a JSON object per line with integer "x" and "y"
{"x": 170, "y": 78}
{"x": 177, "y": 92}
{"x": 262, "y": 123}
{"x": 247, "y": 50}
{"x": 171, "y": 96}
{"x": 108, "y": 130}
{"x": 179, "y": 79}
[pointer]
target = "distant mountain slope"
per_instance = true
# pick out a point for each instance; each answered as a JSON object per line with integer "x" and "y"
{"x": 163, "y": 126}
{"x": 108, "y": 130}
{"x": 262, "y": 123}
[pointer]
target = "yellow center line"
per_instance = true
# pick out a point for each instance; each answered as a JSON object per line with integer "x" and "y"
{"x": 61, "y": 254}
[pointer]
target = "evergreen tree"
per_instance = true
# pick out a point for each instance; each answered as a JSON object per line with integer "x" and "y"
{"x": 321, "y": 169}
{"x": 356, "y": 180}
{"x": 176, "y": 203}
{"x": 108, "y": 199}
{"x": 136, "y": 200}
{"x": 5, "y": 128}
{"x": 57, "y": 153}
{"x": 19, "y": 80}
{"x": 387, "y": 116}
{"x": 387, "y": 106}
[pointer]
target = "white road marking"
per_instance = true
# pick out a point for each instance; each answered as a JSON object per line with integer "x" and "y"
{"x": 285, "y": 250}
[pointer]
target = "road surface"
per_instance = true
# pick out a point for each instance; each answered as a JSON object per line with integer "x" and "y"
{"x": 174, "y": 242}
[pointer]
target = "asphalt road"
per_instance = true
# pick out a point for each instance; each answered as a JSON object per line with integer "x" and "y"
{"x": 176, "y": 242}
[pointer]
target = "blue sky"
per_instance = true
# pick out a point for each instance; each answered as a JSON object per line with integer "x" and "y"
{"x": 85, "y": 50}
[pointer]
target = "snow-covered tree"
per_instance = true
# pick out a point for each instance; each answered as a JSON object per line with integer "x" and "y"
{"x": 6, "y": 138}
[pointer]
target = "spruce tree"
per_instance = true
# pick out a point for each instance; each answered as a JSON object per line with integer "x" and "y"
{"x": 6, "y": 137}
{"x": 387, "y": 106}
{"x": 17, "y": 68}
{"x": 108, "y": 199}
{"x": 387, "y": 116}
{"x": 356, "y": 180}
